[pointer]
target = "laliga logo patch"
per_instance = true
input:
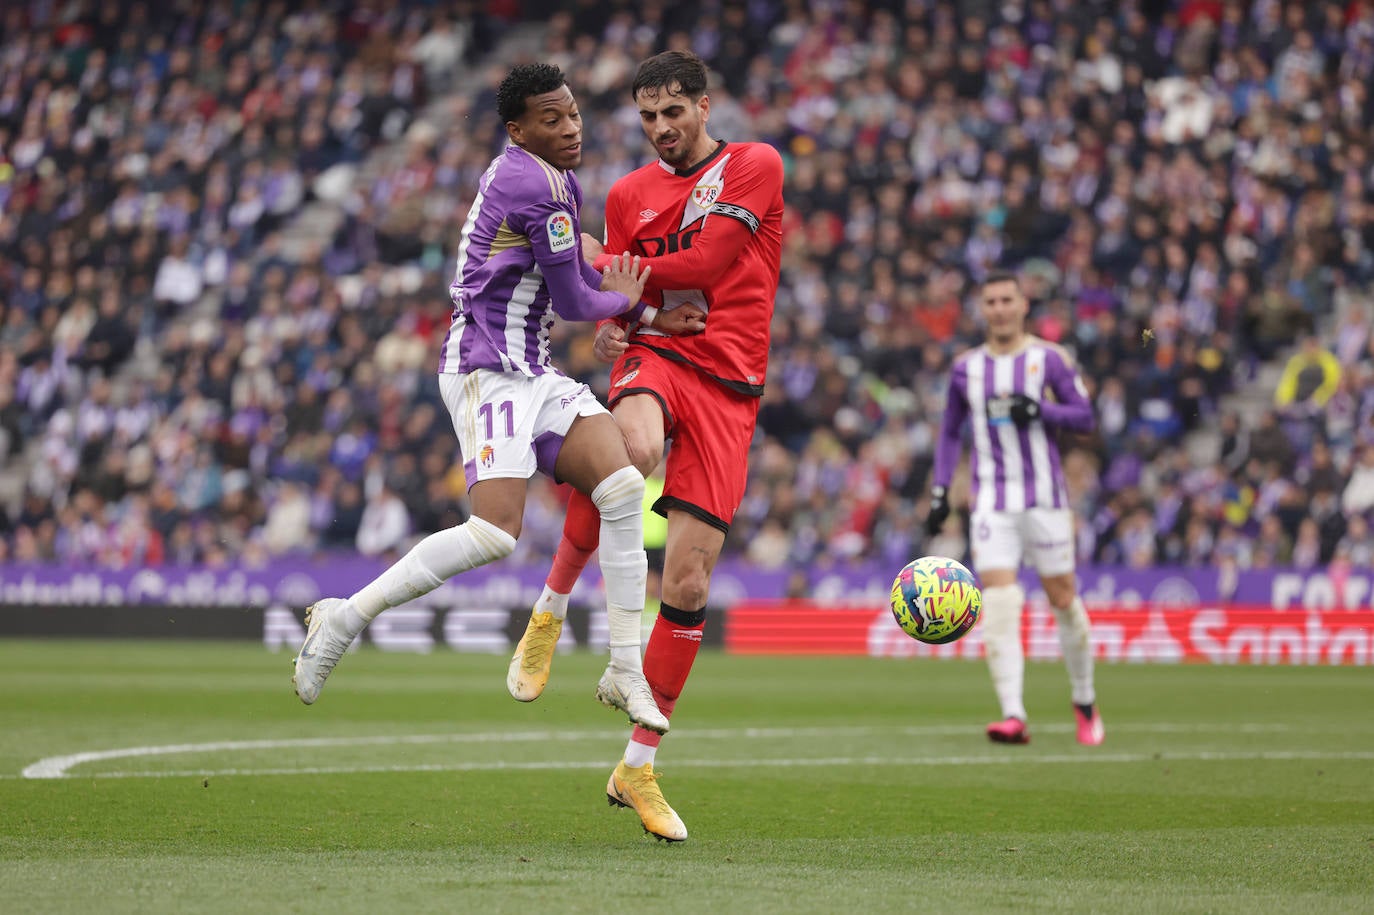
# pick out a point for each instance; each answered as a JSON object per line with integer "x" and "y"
{"x": 560, "y": 229}
{"x": 704, "y": 195}
{"x": 629, "y": 376}
{"x": 487, "y": 455}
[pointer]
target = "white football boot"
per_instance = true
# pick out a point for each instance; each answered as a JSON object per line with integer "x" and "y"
{"x": 628, "y": 691}
{"x": 325, "y": 643}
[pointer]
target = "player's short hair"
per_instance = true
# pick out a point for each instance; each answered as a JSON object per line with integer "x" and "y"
{"x": 522, "y": 82}
{"x": 678, "y": 72}
{"x": 1002, "y": 276}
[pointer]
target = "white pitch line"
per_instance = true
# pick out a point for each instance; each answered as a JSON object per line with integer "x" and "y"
{"x": 59, "y": 766}
{"x": 1015, "y": 758}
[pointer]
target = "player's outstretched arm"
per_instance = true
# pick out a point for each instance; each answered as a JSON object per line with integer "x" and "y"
{"x": 755, "y": 188}
{"x": 948, "y": 445}
{"x": 714, "y": 249}
{"x": 574, "y": 298}
{"x": 627, "y": 275}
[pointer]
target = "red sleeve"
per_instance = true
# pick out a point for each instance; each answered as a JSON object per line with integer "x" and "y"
{"x": 615, "y": 241}
{"x": 618, "y": 235}
{"x": 755, "y": 182}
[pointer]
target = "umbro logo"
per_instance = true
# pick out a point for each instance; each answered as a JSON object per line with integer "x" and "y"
{"x": 646, "y": 214}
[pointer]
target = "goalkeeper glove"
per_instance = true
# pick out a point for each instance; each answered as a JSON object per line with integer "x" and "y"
{"x": 939, "y": 510}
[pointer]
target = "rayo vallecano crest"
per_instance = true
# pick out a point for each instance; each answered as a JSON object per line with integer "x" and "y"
{"x": 704, "y": 195}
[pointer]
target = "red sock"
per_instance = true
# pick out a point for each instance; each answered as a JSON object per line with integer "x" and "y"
{"x": 581, "y": 534}
{"x": 667, "y": 662}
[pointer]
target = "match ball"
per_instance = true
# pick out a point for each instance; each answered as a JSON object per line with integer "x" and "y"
{"x": 936, "y": 600}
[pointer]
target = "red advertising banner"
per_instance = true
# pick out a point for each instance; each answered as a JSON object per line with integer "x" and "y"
{"x": 1227, "y": 634}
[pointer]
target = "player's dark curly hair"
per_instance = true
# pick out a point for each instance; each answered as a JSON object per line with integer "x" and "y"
{"x": 521, "y": 83}
{"x": 679, "y": 72}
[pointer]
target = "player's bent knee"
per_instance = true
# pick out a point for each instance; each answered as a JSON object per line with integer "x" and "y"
{"x": 620, "y": 495}
{"x": 492, "y": 541}
{"x": 1002, "y": 612}
{"x": 641, "y": 426}
{"x": 644, "y": 455}
{"x": 509, "y": 525}
{"x": 1060, "y": 592}
{"x": 1073, "y": 616}
{"x": 686, "y": 588}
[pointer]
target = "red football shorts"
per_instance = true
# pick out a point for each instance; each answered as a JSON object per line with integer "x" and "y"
{"x": 710, "y": 428}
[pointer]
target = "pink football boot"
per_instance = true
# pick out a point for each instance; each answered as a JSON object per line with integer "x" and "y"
{"x": 1009, "y": 730}
{"x": 1090, "y": 730}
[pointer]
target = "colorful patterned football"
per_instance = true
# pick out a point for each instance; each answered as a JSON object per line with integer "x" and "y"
{"x": 936, "y": 600}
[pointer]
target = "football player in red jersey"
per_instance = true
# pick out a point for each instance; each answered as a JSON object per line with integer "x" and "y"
{"x": 706, "y": 217}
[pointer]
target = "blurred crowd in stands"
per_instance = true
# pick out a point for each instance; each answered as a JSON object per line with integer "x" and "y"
{"x": 191, "y": 372}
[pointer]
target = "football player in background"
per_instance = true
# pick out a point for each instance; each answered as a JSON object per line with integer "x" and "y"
{"x": 1014, "y": 390}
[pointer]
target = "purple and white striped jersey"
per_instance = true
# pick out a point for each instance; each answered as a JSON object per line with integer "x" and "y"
{"x": 1014, "y": 467}
{"x": 519, "y": 264}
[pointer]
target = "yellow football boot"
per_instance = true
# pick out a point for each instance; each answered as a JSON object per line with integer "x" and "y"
{"x": 638, "y": 789}
{"x": 533, "y": 658}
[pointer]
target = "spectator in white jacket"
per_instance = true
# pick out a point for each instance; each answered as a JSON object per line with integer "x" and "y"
{"x": 288, "y": 521}
{"x": 1358, "y": 497}
{"x": 385, "y": 523}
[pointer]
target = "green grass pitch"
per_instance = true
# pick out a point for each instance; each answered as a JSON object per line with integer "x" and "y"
{"x": 186, "y": 777}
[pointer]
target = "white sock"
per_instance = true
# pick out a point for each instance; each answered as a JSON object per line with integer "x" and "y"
{"x": 431, "y": 562}
{"x": 625, "y": 624}
{"x": 1075, "y": 640}
{"x": 624, "y": 565}
{"x": 627, "y": 657}
{"x": 352, "y": 620}
{"x": 551, "y": 601}
{"x": 1002, "y": 642}
{"x": 637, "y": 754}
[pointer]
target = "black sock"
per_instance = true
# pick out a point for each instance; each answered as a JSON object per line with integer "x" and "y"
{"x": 1087, "y": 710}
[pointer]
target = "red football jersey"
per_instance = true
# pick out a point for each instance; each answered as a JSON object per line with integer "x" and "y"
{"x": 713, "y": 236}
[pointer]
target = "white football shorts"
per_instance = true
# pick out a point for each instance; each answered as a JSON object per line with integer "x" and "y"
{"x": 1044, "y": 536}
{"x": 510, "y": 425}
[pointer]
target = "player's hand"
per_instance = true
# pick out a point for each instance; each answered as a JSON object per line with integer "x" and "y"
{"x": 609, "y": 342}
{"x": 939, "y": 510}
{"x": 591, "y": 248}
{"x": 1023, "y": 409}
{"x": 684, "y": 319}
{"x": 627, "y": 275}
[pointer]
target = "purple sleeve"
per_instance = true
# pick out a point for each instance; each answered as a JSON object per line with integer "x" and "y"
{"x": 590, "y": 275}
{"x": 1071, "y": 408}
{"x": 574, "y": 300}
{"x": 950, "y": 443}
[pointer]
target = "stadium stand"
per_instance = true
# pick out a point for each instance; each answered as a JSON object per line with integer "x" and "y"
{"x": 226, "y": 233}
